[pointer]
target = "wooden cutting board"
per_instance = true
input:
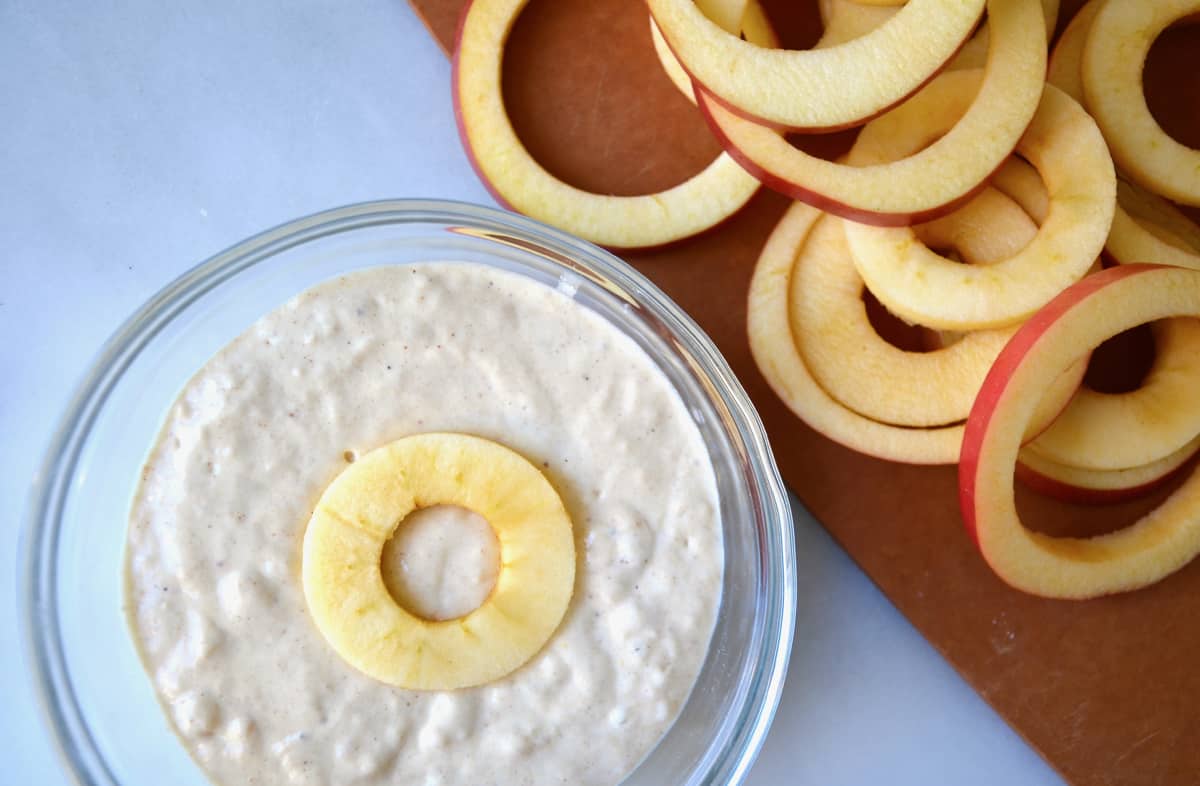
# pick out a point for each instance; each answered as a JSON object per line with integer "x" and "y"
{"x": 1107, "y": 690}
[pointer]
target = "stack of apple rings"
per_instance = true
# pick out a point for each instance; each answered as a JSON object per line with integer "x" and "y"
{"x": 978, "y": 203}
{"x": 1049, "y": 213}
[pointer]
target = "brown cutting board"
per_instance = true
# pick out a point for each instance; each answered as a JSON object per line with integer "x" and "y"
{"x": 1108, "y": 690}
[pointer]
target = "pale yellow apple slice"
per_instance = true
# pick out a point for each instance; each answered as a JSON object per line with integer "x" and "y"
{"x": 774, "y": 350}
{"x": 773, "y": 346}
{"x": 1019, "y": 181}
{"x": 829, "y": 88}
{"x": 989, "y": 229}
{"x": 754, "y": 26}
{"x": 1112, "y": 431}
{"x": 923, "y": 287}
{"x": 974, "y": 53}
{"x": 1113, "y": 59}
{"x": 359, "y": 511}
{"x": 1086, "y": 314}
{"x": 518, "y": 181}
{"x": 1097, "y": 487}
{"x": 727, "y": 14}
{"x": 942, "y": 144}
{"x": 1066, "y": 61}
{"x": 1147, "y": 227}
{"x": 845, "y": 20}
{"x": 857, "y": 366}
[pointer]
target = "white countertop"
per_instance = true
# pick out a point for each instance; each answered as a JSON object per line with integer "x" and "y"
{"x": 138, "y": 138}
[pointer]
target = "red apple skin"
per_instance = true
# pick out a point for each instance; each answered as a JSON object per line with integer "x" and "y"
{"x": 820, "y": 201}
{"x": 1049, "y": 487}
{"x": 1006, "y": 364}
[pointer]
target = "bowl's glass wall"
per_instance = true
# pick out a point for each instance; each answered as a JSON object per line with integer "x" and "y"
{"x": 103, "y": 709}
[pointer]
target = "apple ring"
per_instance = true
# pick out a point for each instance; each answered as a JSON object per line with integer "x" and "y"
{"x": 1098, "y": 487}
{"x": 1085, "y": 315}
{"x": 1144, "y": 226}
{"x": 1147, "y": 227}
{"x": 1113, "y": 60}
{"x": 1153, "y": 421}
{"x": 360, "y": 510}
{"x": 754, "y": 25}
{"x": 807, "y": 89}
{"x": 916, "y": 284}
{"x": 974, "y": 53}
{"x": 520, "y": 183}
{"x": 778, "y": 357}
{"x": 864, "y": 372}
{"x": 925, "y": 176}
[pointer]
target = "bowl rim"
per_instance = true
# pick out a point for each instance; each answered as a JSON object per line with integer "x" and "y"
{"x": 36, "y": 588}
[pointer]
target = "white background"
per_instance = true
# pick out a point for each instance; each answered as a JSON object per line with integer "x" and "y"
{"x": 139, "y": 137}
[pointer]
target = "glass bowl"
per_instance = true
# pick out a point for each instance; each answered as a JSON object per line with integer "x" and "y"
{"x": 99, "y": 704}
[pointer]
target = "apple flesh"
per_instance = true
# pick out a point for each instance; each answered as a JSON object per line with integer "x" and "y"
{"x": 1147, "y": 227}
{"x": 819, "y": 89}
{"x": 1153, "y": 421}
{"x": 1099, "y": 487}
{"x": 974, "y": 53}
{"x": 754, "y": 26}
{"x": 941, "y": 145}
{"x": 519, "y": 182}
{"x": 1066, "y": 61}
{"x": 1084, "y": 315}
{"x": 1114, "y": 56}
{"x": 857, "y": 366}
{"x": 775, "y": 351}
{"x": 727, "y": 14}
{"x": 922, "y": 287}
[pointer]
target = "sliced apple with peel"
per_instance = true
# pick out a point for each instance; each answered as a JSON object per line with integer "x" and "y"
{"x": 823, "y": 89}
{"x": 754, "y": 26}
{"x": 1099, "y": 487}
{"x": 1114, "y": 57}
{"x": 774, "y": 349}
{"x": 922, "y": 287}
{"x": 942, "y": 144}
{"x": 1086, "y": 314}
{"x": 857, "y": 366}
{"x": 519, "y": 182}
{"x": 1113, "y": 431}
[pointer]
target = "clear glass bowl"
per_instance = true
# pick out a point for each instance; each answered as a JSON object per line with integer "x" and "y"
{"x": 97, "y": 700}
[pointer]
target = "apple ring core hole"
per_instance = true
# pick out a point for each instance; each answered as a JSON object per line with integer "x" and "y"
{"x": 611, "y": 111}
{"x": 442, "y": 562}
{"x": 1121, "y": 364}
{"x": 1060, "y": 519}
{"x": 895, "y": 331}
{"x": 1171, "y": 80}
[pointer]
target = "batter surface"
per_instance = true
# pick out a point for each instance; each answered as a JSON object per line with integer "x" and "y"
{"x": 214, "y": 597}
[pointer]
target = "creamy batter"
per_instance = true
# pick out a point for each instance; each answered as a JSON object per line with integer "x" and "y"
{"x": 214, "y": 595}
